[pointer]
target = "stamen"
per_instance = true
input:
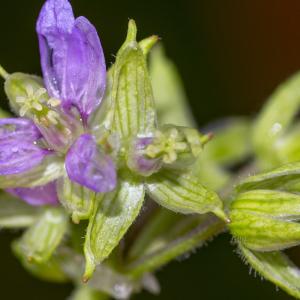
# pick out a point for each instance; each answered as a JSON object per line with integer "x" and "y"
{"x": 53, "y": 102}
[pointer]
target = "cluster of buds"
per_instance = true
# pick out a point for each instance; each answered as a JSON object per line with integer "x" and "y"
{"x": 85, "y": 142}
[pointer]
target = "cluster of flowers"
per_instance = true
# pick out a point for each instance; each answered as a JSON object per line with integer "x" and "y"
{"x": 88, "y": 148}
{"x": 86, "y": 142}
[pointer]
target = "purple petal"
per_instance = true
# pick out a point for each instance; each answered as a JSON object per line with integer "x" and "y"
{"x": 41, "y": 195}
{"x": 19, "y": 150}
{"x": 72, "y": 58}
{"x": 87, "y": 165}
{"x": 18, "y": 128}
{"x": 137, "y": 161}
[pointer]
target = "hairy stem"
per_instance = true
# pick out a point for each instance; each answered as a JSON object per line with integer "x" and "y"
{"x": 195, "y": 238}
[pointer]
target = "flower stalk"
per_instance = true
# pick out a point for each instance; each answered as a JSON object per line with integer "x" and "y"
{"x": 3, "y": 73}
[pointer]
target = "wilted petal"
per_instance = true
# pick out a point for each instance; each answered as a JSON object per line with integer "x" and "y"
{"x": 72, "y": 57}
{"x": 137, "y": 160}
{"x": 41, "y": 195}
{"x": 87, "y": 165}
{"x": 19, "y": 151}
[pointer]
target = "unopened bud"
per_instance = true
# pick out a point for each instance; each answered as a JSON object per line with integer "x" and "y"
{"x": 266, "y": 220}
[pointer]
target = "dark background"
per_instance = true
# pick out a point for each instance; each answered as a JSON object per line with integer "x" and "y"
{"x": 231, "y": 55}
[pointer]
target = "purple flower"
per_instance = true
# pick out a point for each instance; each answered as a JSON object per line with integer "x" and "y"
{"x": 72, "y": 58}
{"x": 86, "y": 165}
{"x": 74, "y": 74}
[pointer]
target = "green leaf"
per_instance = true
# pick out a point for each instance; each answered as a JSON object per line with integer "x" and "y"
{"x": 171, "y": 100}
{"x": 78, "y": 200}
{"x": 210, "y": 173}
{"x": 275, "y": 119}
{"x": 134, "y": 111}
{"x": 49, "y": 270}
{"x": 282, "y": 178}
{"x": 15, "y": 213}
{"x": 276, "y": 267}
{"x": 113, "y": 216}
{"x": 182, "y": 192}
{"x": 266, "y": 220}
{"x": 288, "y": 147}
{"x": 207, "y": 227}
{"x": 40, "y": 241}
{"x": 49, "y": 170}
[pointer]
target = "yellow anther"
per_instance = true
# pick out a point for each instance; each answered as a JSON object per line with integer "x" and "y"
{"x": 53, "y": 102}
{"x": 33, "y": 100}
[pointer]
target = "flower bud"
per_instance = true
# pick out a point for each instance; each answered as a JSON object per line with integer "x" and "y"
{"x": 266, "y": 220}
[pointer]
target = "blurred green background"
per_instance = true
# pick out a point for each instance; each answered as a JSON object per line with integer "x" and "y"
{"x": 231, "y": 55}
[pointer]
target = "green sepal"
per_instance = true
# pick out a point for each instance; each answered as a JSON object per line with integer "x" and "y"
{"x": 39, "y": 241}
{"x": 275, "y": 119}
{"x": 49, "y": 170}
{"x": 111, "y": 219}
{"x": 171, "y": 100}
{"x": 283, "y": 178}
{"x": 78, "y": 200}
{"x": 147, "y": 44}
{"x": 50, "y": 270}
{"x": 134, "y": 111}
{"x": 104, "y": 115}
{"x": 15, "y": 213}
{"x": 265, "y": 220}
{"x": 275, "y": 204}
{"x": 182, "y": 192}
{"x": 275, "y": 267}
{"x": 16, "y": 85}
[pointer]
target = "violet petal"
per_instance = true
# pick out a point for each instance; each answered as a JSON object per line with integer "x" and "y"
{"x": 18, "y": 128}
{"x": 138, "y": 162}
{"x": 72, "y": 58}
{"x": 19, "y": 151}
{"x": 87, "y": 165}
{"x": 37, "y": 196}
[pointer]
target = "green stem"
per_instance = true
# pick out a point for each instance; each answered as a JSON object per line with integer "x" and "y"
{"x": 3, "y": 73}
{"x": 211, "y": 227}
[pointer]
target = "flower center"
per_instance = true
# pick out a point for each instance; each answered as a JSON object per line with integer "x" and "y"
{"x": 37, "y": 103}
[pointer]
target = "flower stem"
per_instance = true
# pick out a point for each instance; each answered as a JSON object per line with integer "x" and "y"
{"x": 3, "y": 73}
